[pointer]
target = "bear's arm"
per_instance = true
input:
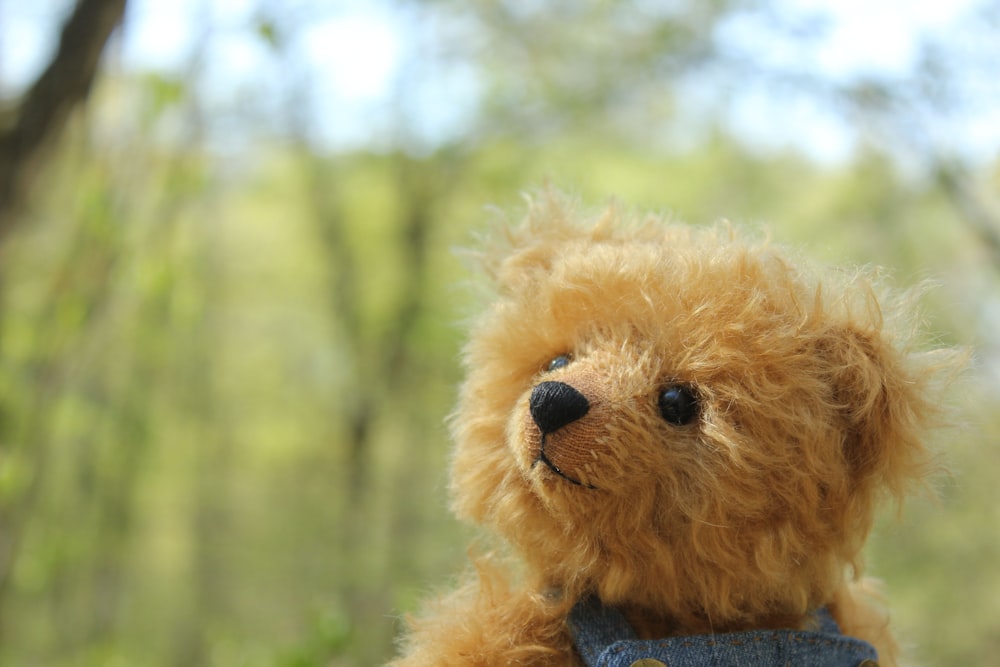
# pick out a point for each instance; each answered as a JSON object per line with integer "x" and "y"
{"x": 484, "y": 624}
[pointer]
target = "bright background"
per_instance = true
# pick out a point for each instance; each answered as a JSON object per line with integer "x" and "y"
{"x": 231, "y": 314}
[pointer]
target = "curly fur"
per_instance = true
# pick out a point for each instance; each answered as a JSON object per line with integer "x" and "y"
{"x": 813, "y": 403}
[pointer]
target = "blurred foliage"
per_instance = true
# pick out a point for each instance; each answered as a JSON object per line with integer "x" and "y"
{"x": 225, "y": 372}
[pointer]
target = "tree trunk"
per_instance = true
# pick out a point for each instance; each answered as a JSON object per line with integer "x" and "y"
{"x": 64, "y": 84}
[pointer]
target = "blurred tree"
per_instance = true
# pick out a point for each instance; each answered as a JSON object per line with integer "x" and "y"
{"x": 929, "y": 115}
{"x": 36, "y": 123}
{"x": 65, "y": 83}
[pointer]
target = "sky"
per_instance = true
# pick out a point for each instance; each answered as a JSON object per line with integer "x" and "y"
{"x": 357, "y": 50}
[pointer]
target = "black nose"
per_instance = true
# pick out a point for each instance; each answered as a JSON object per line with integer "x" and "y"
{"x": 555, "y": 404}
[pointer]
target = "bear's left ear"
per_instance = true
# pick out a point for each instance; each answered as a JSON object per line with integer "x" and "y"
{"x": 882, "y": 394}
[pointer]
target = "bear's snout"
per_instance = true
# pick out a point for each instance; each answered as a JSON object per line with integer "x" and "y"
{"x": 556, "y": 404}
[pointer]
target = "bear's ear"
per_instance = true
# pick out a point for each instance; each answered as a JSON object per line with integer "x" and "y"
{"x": 512, "y": 255}
{"x": 522, "y": 258}
{"x": 881, "y": 394}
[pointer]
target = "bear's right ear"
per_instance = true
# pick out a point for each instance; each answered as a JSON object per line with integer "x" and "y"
{"x": 511, "y": 255}
{"x": 521, "y": 264}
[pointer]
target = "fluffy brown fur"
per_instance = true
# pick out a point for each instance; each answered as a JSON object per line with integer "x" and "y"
{"x": 811, "y": 407}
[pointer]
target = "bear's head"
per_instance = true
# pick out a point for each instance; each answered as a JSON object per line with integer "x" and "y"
{"x": 681, "y": 419}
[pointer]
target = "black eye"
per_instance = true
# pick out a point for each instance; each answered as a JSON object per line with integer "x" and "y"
{"x": 678, "y": 405}
{"x": 559, "y": 362}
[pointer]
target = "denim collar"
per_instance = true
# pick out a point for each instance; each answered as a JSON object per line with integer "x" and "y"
{"x": 604, "y": 638}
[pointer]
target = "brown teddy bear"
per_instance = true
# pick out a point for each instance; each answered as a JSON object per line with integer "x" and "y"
{"x": 682, "y": 435}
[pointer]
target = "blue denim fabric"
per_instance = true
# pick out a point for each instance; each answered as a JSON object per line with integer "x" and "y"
{"x": 605, "y": 639}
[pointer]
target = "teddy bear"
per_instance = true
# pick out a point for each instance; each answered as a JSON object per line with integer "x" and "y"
{"x": 676, "y": 438}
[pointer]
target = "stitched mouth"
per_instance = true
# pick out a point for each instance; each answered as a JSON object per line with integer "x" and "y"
{"x": 543, "y": 458}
